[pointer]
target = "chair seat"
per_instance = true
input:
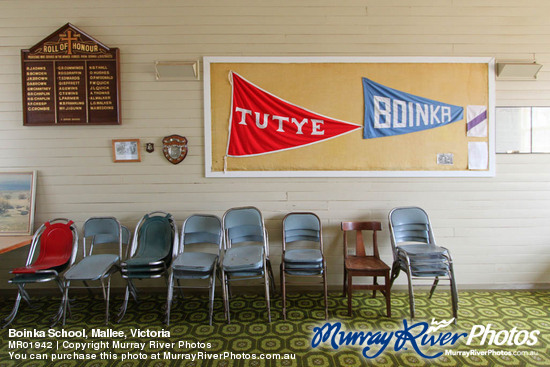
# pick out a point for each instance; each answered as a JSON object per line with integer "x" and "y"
{"x": 305, "y": 272}
{"x": 305, "y": 266}
{"x": 303, "y": 256}
{"x": 178, "y": 274}
{"x": 195, "y": 262}
{"x": 243, "y": 259}
{"x": 91, "y": 267}
{"x": 142, "y": 261}
{"x": 32, "y": 278}
{"x": 368, "y": 263}
{"x": 422, "y": 249}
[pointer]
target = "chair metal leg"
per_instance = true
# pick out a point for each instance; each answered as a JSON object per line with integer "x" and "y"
{"x": 8, "y": 320}
{"x": 387, "y": 283}
{"x": 225, "y": 297}
{"x": 395, "y": 270}
{"x": 454, "y": 295}
{"x": 434, "y": 285}
{"x": 107, "y": 299}
{"x": 124, "y": 306}
{"x": 65, "y": 301}
{"x": 411, "y": 294}
{"x": 61, "y": 310}
{"x": 169, "y": 297}
{"x": 283, "y": 290}
{"x": 271, "y": 277}
{"x": 267, "y": 300}
{"x": 212, "y": 292}
{"x": 24, "y": 295}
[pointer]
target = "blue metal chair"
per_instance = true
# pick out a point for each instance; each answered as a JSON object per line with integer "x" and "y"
{"x": 246, "y": 253}
{"x": 416, "y": 253}
{"x": 57, "y": 241}
{"x": 105, "y": 232}
{"x": 200, "y": 246}
{"x": 299, "y": 230}
{"x": 154, "y": 245}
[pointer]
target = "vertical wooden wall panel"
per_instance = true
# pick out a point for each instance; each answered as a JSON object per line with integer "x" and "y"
{"x": 497, "y": 228}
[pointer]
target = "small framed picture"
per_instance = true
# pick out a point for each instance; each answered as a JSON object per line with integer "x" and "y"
{"x": 126, "y": 150}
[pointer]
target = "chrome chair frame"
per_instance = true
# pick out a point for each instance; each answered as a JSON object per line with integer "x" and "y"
{"x": 264, "y": 271}
{"x": 109, "y": 264}
{"x": 156, "y": 269}
{"x": 43, "y": 275}
{"x": 307, "y": 268}
{"x": 424, "y": 260}
{"x": 194, "y": 239}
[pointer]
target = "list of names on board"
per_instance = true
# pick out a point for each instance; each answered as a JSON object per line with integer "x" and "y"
{"x": 70, "y": 79}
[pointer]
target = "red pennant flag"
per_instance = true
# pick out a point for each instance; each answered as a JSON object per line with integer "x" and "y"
{"x": 262, "y": 123}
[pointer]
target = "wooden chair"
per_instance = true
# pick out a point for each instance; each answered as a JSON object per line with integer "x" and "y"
{"x": 361, "y": 264}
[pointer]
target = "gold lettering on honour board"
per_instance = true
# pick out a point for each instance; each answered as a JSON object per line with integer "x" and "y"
{"x": 174, "y": 148}
{"x": 69, "y": 78}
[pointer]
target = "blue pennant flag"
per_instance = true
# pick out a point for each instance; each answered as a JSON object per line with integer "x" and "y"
{"x": 391, "y": 112}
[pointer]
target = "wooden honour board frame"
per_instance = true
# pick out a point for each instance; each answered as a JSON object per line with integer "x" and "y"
{"x": 332, "y": 86}
{"x": 70, "y": 78}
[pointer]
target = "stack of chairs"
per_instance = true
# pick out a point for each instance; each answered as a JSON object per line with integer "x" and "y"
{"x": 416, "y": 253}
{"x": 299, "y": 230}
{"x": 154, "y": 245}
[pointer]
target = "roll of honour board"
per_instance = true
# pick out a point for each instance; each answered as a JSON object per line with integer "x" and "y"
{"x": 70, "y": 78}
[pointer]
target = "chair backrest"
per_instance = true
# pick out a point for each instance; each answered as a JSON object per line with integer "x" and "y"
{"x": 302, "y": 226}
{"x": 155, "y": 236}
{"x": 244, "y": 224}
{"x": 201, "y": 229}
{"x": 58, "y": 242}
{"x": 359, "y": 227}
{"x": 103, "y": 230}
{"x": 409, "y": 224}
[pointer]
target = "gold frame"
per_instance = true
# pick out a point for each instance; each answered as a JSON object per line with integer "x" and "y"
{"x": 119, "y": 157}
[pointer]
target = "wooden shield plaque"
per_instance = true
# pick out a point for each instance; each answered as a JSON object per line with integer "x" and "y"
{"x": 174, "y": 148}
{"x": 69, "y": 78}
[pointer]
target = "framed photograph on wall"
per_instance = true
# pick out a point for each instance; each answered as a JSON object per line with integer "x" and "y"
{"x": 126, "y": 150}
{"x": 17, "y": 198}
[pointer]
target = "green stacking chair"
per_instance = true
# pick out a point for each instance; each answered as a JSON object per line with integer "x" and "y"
{"x": 154, "y": 245}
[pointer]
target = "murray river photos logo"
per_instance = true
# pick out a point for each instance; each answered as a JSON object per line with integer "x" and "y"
{"x": 418, "y": 336}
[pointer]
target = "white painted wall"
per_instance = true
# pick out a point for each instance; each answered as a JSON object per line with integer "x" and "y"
{"x": 497, "y": 228}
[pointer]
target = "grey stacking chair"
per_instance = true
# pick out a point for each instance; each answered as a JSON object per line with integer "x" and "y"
{"x": 57, "y": 243}
{"x": 246, "y": 254}
{"x": 154, "y": 245}
{"x": 106, "y": 233}
{"x": 302, "y": 229}
{"x": 200, "y": 246}
{"x": 416, "y": 253}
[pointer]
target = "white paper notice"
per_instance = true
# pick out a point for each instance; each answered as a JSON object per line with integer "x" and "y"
{"x": 478, "y": 155}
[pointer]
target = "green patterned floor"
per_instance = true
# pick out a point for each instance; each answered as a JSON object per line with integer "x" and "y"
{"x": 249, "y": 333}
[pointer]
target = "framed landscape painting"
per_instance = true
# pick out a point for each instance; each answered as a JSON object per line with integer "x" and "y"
{"x": 17, "y": 197}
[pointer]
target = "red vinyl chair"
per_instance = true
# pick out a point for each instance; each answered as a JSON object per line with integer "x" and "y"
{"x": 57, "y": 241}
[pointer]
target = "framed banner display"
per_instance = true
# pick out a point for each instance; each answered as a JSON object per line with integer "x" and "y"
{"x": 17, "y": 197}
{"x": 349, "y": 117}
{"x": 69, "y": 78}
